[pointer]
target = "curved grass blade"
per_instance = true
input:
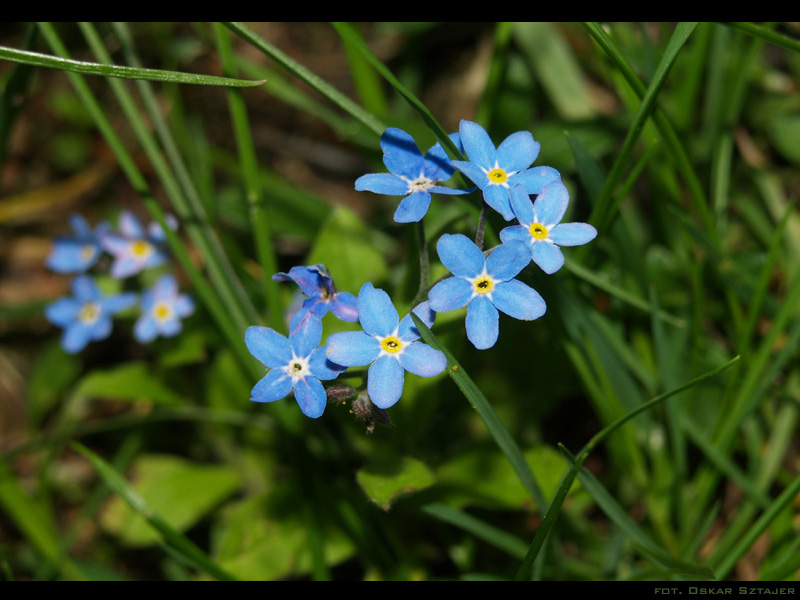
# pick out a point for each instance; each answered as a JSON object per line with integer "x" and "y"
{"x": 577, "y": 463}
{"x": 767, "y": 34}
{"x": 38, "y": 59}
{"x": 316, "y": 82}
{"x": 479, "y": 402}
{"x": 177, "y": 541}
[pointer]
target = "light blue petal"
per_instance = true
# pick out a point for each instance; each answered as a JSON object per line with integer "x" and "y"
{"x": 518, "y": 300}
{"x": 376, "y": 313}
{"x": 473, "y": 171}
{"x": 447, "y": 191}
{"x": 422, "y": 360}
{"x": 68, "y": 256}
{"x": 312, "y": 280}
{"x": 118, "y": 302}
{"x": 460, "y": 255}
{"x": 75, "y": 337}
{"x": 344, "y": 306}
{"x": 273, "y": 386}
{"x": 84, "y": 289}
{"x": 401, "y": 154}
{"x": 158, "y": 256}
{"x": 521, "y": 205}
{"x": 130, "y": 226}
{"x": 126, "y": 266}
{"x": 413, "y": 207}
{"x": 507, "y": 260}
{"x": 382, "y": 183}
{"x": 268, "y": 346}
{"x": 101, "y": 328}
{"x": 450, "y": 294}
{"x": 171, "y": 327}
{"x": 166, "y": 288}
{"x": 572, "y": 234}
{"x": 80, "y": 226}
{"x": 483, "y": 323}
{"x": 352, "y": 348}
{"x": 517, "y": 151}
{"x": 551, "y": 204}
{"x": 385, "y": 381}
{"x": 63, "y": 311}
{"x": 184, "y": 305}
{"x": 407, "y": 331}
{"x": 306, "y": 335}
{"x": 548, "y": 256}
{"x": 322, "y": 367}
{"x": 115, "y": 244}
{"x": 516, "y": 233}
{"x": 497, "y": 197}
{"x": 310, "y": 396}
{"x": 437, "y": 164}
{"x": 145, "y": 330}
{"x": 535, "y": 179}
{"x": 478, "y": 146}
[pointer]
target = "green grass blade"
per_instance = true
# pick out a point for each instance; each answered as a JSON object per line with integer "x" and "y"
{"x": 768, "y": 35}
{"x": 172, "y": 538}
{"x": 484, "y": 409}
{"x": 87, "y": 68}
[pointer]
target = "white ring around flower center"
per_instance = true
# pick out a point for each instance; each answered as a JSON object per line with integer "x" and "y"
{"x": 162, "y": 311}
{"x": 89, "y": 313}
{"x": 482, "y": 285}
{"x": 420, "y": 184}
{"x": 297, "y": 368}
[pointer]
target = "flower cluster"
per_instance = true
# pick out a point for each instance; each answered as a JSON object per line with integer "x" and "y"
{"x": 485, "y": 282}
{"x": 87, "y": 315}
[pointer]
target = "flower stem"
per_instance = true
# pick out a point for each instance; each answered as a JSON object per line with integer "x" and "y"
{"x": 481, "y": 226}
{"x": 424, "y": 265}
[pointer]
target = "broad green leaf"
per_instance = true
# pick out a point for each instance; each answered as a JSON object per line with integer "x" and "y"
{"x": 386, "y": 480}
{"x": 784, "y": 132}
{"x": 130, "y": 381}
{"x": 180, "y": 491}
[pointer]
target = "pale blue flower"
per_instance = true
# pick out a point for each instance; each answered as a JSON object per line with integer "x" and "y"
{"x": 484, "y": 285}
{"x": 541, "y": 228}
{"x": 295, "y": 364}
{"x": 496, "y": 170}
{"x": 410, "y": 174}
{"x": 390, "y": 346}
{"x": 135, "y": 248}
{"x": 316, "y": 283}
{"x": 77, "y": 253}
{"x": 163, "y": 307}
{"x": 86, "y": 316}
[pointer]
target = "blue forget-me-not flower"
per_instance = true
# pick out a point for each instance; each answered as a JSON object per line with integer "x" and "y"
{"x": 541, "y": 228}
{"x": 316, "y": 283}
{"x": 484, "y": 285}
{"x": 77, "y": 253}
{"x": 135, "y": 248}
{"x": 295, "y": 363}
{"x": 389, "y": 345}
{"x": 410, "y": 174}
{"x": 496, "y": 170}
{"x": 86, "y": 316}
{"x": 163, "y": 307}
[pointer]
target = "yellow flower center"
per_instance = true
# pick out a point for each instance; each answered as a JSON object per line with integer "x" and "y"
{"x": 87, "y": 251}
{"x": 162, "y": 311}
{"x": 89, "y": 312}
{"x": 538, "y": 231}
{"x": 391, "y": 344}
{"x": 483, "y": 285}
{"x": 140, "y": 248}
{"x": 497, "y": 175}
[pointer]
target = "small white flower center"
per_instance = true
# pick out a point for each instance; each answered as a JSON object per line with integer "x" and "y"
{"x": 420, "y": 184}
{"x": 297, "y": 368}
{"x": 89, "y": 313}
{"x": 162, "y": 311}
{"x": 87, "y": 252}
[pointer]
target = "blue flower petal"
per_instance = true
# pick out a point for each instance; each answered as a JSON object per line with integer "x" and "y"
{"x": 521, "y": 205}
{"x": 101, "y": 328}
{"x": 473, "y": 171}
{"x": 460, "y": 255}
{"x": 518, "y": 300}
{"x": 115, "y": 244}
{"x": 535, "y": 179}
{"x": 422, "y": 360}
{"x": 413, "y": 207}
{"x": 572, "y": 234}
{"x": 118, "y": 302}
{"x": 80, "y": 226}
{"x": 385, "y": 381}
{"x": 344, "y": 306}
{"x": 130, "y": 226}
{"x": 376, "y": 313}
{"x": 478, "y": 146}
{"x": 382, "y": 183}
{"x": 322, "y": 367}
{"x": 171, "y": 327}
{"x": 70, "y": 255}
{"x": 407, "y": 331}
{"x": 401, "y": 154}
{"x": 517, "y": 151}
{"x": 306, "y": 335}
{"x": 75, "y": 337}
{"x": 447, "y": 191}
{"x": 166, "y": 287}
{"x": 548, "y": 256}
{"x": 126, "y": 266}
{"x": 450, "y": 294}
{"x": 310, "y": 396}
{"x": 63, "y": 311}
{"x": 352, "y": 348}
{"x": 184, "y": 305}
{"x": 507, "y": 260}
{"x": 483, "y": 323}
{"x": 497, "y": 197}
{"x": 273, "y": 386}
{"x": 268, "y": 346}
{"x": 437, "y": 163}
{"x": 84, "y": 289}
{"x": 145, "y": 330}
{"x": 551, "y": 204}
{"x": 515, "y": 233}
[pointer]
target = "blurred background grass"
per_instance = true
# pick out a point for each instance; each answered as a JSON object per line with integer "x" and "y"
{"x": 699, "y": 263}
